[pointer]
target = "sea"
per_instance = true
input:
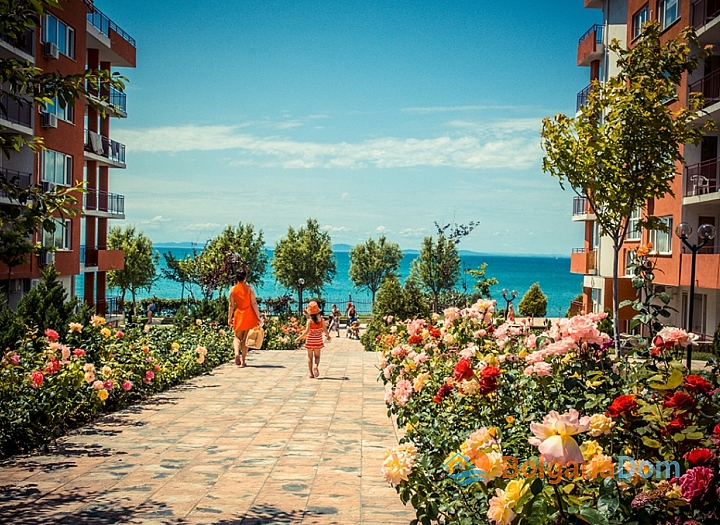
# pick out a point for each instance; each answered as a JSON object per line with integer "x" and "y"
{"x": 512, "y": 272}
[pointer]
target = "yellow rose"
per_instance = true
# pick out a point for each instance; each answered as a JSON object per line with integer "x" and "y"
{"x": 515, "y": 490}
{"x": 510, "y": 420}
{"x": 175, "y": 347}
{"x": 105, "y": 332}
{"x": 103, "y": 394}
{"x": 420, "y": 381}
{"x": 600, "y": 424}
{"x": 106, "y": 371}
{"x": 590, "y": 448}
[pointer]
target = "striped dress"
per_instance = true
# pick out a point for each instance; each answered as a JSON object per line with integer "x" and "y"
{"x": 314, "y": 339}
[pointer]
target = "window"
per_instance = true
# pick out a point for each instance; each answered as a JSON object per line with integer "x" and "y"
{"x": 662, "y": 241}
{"x": 668, "y": 12}
{"x": 56, "y": 167}
{"x": 62, "y": 112}
{"x": 597, "y": 305}
{"x": 60, "y": 34}
{"x": 639, "y": 19}
{"x": 633, "y": 233}
{"x": 60, "y": 238}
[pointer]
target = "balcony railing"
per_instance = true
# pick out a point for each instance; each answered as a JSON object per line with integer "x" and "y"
{"x": 96, "y": 200}
{"x": 598, "y": 29}
{"x": 702, "y": 178}
{"x": 18, "y": 179}
{"x": 709, "y": 87}
{"x": 582, "y": 97}
{"x": 24, "y": 42}
{"x": 109, "y": 306}
{"x": 104, "y": 24}
{"x": 114, "y": 97}
{"x": 16, "y": 112}
{"x": 703, "y": 11}
{"x": 580, "y": 206}
{"x": 89, "y": 256}
{"x": 105, "y": 147}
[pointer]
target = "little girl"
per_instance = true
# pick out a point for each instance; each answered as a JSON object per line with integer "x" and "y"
{"x": 313, "y": 336}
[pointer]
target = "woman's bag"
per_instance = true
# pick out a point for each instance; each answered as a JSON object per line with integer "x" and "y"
{"x": 255, "y": 338}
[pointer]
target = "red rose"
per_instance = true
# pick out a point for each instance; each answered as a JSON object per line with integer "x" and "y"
{"x": 415, "y": 339}
{"x": 695, "y": 484}
{"x": 52, "y": 367}
{"x": 463, "y": 370}
{"x": 488, "y": 385}
{"x": 696, "y": 383}
{"x": 679, "y": 401}
{"x": 675, "y": 426}
{"x": 435, "y": 334}
{"x": 442, "y": 393}
{"x": 701, "y": 457}
{"x": 490, "y": 372}
{"x": 621, "y": 405}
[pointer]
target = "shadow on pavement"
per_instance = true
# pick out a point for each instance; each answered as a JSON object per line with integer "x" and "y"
{"x": 265, "y": 366}
{"x": 344, "y": 378}
{"x": 20, "y": 505}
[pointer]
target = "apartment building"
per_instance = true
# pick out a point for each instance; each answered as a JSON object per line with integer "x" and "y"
{"x": 696, "y": 186}
{"x": 78, "y": 149}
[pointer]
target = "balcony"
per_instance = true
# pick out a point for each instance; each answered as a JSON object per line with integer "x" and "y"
{"x": 110, "y": 307}
{"x": 23, "y": 43}
{"x": 582, "y": 97}
{"x": 103, "y": 204}
{"x": 18, "y": 115}
{"x": 590, "y": 46}
{"x": 701, "y": 182}
{"x": 705, "y": 17}
{"x": 114, "y": 44}
{"x": 583, "y": 261}
{"x": 104, "y": 150}
{"x": 582, "y": 210}
{"x": 112, "y": 98}
{"x": 18, "y": 178}
{"x": 101, "y": 259}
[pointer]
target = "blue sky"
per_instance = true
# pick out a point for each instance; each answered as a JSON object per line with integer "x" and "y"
{"x": 375, "y": 117}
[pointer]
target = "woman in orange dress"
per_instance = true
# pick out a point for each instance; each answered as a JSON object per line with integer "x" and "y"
{"x": 243, "y": 314}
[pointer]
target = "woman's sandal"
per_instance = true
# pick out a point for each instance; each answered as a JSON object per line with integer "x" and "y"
{"x": 237, "y": 360}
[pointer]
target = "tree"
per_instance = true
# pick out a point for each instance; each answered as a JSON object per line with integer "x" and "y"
{"x": 483, "y": 283}
{"x": 235, "y": 247}
{"x": 176, "y": 271}
{"x": 140, "y": 262}
{"x": 533, "y": 303}
{"x": 372, "y": 262}
{"x": 47, "y": 305}
{"x": 24, "y": 84}
{"x": 402, "y": 302}
{"x": 437, "y": 267}
{"x": 622, "y": 150}
{"x": 305, "y": 254}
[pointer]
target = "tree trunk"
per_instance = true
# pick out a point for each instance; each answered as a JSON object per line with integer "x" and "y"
{"x": 134, "y": 302}
{"x": 8, "y": 285}
{"x": 616, "y": 299}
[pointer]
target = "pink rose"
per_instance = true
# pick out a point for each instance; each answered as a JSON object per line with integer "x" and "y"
{"x": 127, "y": 386}
{"x": 109, "y": 385}
{"x": 119, "y": 334}
{"x": 52, "y": 335}
{"x": 543, "y": 369}
{"x": 36, "y": 379}
{"x": 98, "y": 385}
{"x": 65, "y": 353}
{"x": 149, "y": 375}
{"x": 79, "y": 352}
{"x": 15, "y": 359}
{"x": 695, "y": 484}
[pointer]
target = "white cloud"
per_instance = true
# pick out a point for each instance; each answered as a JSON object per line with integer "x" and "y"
{"x": 511, "y": 145}
{"x": 204, "y": 226}
{"x": 413, "y": 232}
{"x": 329, "y": 228}
{"x": 159, "y": 218}
{"x": 446, "y": 109}
{"x": 380, "y": 229}
{"x": 345, "y": 195}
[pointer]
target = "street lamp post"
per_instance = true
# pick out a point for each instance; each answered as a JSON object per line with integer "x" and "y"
{"x": 706, "y": 232}
{"x": 509, "y": 298}
{"x": 301, "y": 284}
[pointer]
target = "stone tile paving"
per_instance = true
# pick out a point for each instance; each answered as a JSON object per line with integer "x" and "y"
{"x": 259, "y": 445}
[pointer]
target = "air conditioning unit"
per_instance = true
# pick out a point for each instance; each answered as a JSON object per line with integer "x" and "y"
{"x": 47, "y": 258}
{"x": 49, "y": 187}
{"x": 50, "y": 50}
{"x": 49, "y": 120}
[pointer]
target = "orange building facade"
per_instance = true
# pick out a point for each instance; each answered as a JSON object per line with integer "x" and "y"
{"x": 78, "y": 149}
{"x": 696, "y": 187}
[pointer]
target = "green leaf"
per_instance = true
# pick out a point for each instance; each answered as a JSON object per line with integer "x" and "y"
{"x": 650, "y": 442}
{"x": 593, "y": 516}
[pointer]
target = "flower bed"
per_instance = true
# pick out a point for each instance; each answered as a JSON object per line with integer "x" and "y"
{"x": 53, "y": 382}
{"x": 507, "y": 426}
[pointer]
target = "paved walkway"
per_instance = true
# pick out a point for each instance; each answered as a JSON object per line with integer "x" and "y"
{"x": 259, "y": 445}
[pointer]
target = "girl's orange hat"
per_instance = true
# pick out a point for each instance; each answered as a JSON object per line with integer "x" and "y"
{"x": 313, "y": 308}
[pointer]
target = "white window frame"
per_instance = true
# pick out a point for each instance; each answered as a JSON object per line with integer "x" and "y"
{"x": 633, "y": 232}
{"x": 639, "y": 19}
{"x": 65, "y": 113}
{"x": 629, "y": 259}
{"x": 62, "y": 166}
{"x": 668, "y": 12}
{"x": 52, "y": 22}
{"x": 656, "y": 236}
{"x": 596, "y": 299}
{"x": 61, "y": 239}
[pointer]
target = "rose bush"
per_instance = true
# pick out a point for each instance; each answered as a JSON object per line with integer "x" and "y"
{"x": 56, "y": 380}
{"x": 507, "y": 426}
